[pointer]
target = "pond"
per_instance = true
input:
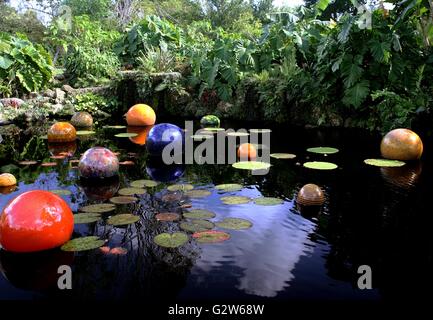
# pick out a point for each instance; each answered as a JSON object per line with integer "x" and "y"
{"x": 372, "y": 216}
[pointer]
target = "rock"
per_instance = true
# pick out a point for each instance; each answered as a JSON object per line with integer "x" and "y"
{"x": 59, "y": 77}
{"x": 224, "y": 106}
{"x": 161, "y": 76}
{"x": 60, "y": 96}
{"x": 49, "y": 93}
{"x": 57, "y": 108}
{"x": 68, "y": 89}
{"x": 12, "y": 102}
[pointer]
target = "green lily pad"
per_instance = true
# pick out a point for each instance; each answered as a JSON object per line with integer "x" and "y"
{"x": 234, "y": 224}
{"x": 283, "y": 155}
{"x": 384, "y": 163}
{"x": 268, "y": 201}
{"x": 198, "y": 193}
{"x": 213, "y": 129}
{"x": 211, "y": 236}
{"x": 123, "y": 200}
{"x": 196, "y": 225}
{"x": 117, "y": 127}
{"x": 251, "y": 165}
{"x": 229, "y": 187}
{"x": 167, "y": 216}
{"x": 126, "y": 135}
{"x": 83, "y": 244}
{"x": 172, "y": 240}
{"x": 319, "y": 165}
{"x": 199, "y": 214}
{"x": 87, "y": 217}
{"x": 323, "y": 150}
{"x": 123, "y": 219}
{"x": 144, "y": 183}
{"x": 85, "y": 132}
{"x": 235, "y": 200}
{"x": 180, "y": 187}
{"x": 237, "y": 134}
{"x": 131, "y": 191}
{"x": 61, "y": 192}
{"x": 98, "y": 208}
{"x": 260, "y": 130}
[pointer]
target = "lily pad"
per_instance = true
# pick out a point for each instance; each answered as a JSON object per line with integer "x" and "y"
{"x": 234, "y": 224}
{"x": 83, "y": 244}
{"x": 85, "y": 132}
{"x": 131, "y": 191}
{"x": 251, "y": 165}
{"x": 213, "y": 129}
{"x": 123, "y": 200}
{"x": 283, "y": 155}
{"x": 171, "y": 240}
{"x": 196, "y": 225}
{"x": 384, "y": 163}
{"x": 238, "y": 134}
{"x": 260, "y": 130}
{"x": 319, "y": 165}
{"x": 117, "y": 127}
{"x": 87, "y": 217}
{"x": 27, "y": 163}
{"x": 49, "y": 164}
{"x": 211, "y": 236}
{"x": 201, "y": 137}
{"x": 99, "y": 208}
{"x": 198, "y": 193}
{"x": 180, "y": 187}
{"x": 323, "y": 150}
{"x": 61, "y": 192}
{"x": 235, "y": 200}
{"x": 58, "y": 157}
{"x": 167, "y": 216}
{"x": 144, "y": 183}
{"x": 229, "y": 187}
{"x": 199, "y": 214}
{"x": 127, "y": 163}
{"x": 126, "y": 135}
{"x": 268, "y": 201}
{"x": 123, "y": 219}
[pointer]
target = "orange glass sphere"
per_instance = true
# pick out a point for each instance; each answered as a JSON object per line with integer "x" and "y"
{"x": 62, "y": 132}
{"x": 247, "y": 151}
{"x": 141, "y": 132}
{"x": 401, "y": 144}
{"x": 140, "y": 115}
{"x": 7, "y": 180}
{"x": 34, "y": 221}
{"x": 310, "y": 195}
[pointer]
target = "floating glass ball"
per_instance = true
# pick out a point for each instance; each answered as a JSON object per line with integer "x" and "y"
{"x": 140, "y": 115}
{"x": 34, "y": 221}
{"x": 310, "y": 195}
{"x": 62, "y": 132}
{"x": 247, "y": 151}
{"x": 98, "y": 163}
{"x": 82, "y": 119}
{"x": 7, "y": 180}
{"x": 210, "y": 121}
{"x": 163, "y": 134}
{"x": 401, "y": 144}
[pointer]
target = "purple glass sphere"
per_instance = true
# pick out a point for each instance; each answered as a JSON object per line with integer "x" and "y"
{"x": 97, "y": 163}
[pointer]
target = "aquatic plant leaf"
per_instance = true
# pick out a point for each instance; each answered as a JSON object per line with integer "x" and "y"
{"x": 199, "y": 214}
{"x": 234, "y": 224}
{"x": 123, "y": 219}
{"x": 237, "y": 134}
{"x": 251, "y": 165}
{"x": 85, "y": 132}
{"x": 196, "y": 225}
{"x": 198, "y": 193}
{"x": 49, "y": 164}
{"x": 213, "y": 129}
{"x": 27, "y": 163}
{"x": 83, "y": 244}
{"x": 99, "y": 208}
{"x": 167, "y": 216}
{"x": 260, "y": 130}
{"x": 87, "y": 217}
{"x": 131, "y": 191}
{"x": 211, "y": 236}
{"x": 117, "y": 127}
{"x": 127, "y": 163}
{"x": 123, "y": 200}
{"x": 384, "y": 163}
{"x": 229, "y": 187}
{"x": 61, "y": 192}
{"x": 235, "y": 200}
{"x": 180, "y": 187}
{"x": 171, "y": 240}
{"x": 58, "y": 157}
{"x": 126, "y": 135}
{"x": 283, "y": 155}
{"x": 319, "y": 165}
{"x": 144, "y": 183}
{"x": 268, "y": 201}
{"x": 323, "y": 150}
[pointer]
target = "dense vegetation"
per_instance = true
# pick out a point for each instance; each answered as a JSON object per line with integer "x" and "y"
{"x": 322, "y": 55}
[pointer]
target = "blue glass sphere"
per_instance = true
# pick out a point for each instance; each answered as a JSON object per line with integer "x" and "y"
{"x": 162, "y": 135}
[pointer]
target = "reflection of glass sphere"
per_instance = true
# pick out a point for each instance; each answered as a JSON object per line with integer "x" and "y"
{"x": 141, "y": 132}
{"x": 100, "y": 191}
{"x": 34, "y": 271}
{"x": 63, "y": 149}
{"x": 163, "y": 134}
{"x": 401, "y": 144}
{"x": 7, "y": 190}
{"x": 404, "y": 177}
{"x": 97, "y": 163}
{"x": 159, "y": 171}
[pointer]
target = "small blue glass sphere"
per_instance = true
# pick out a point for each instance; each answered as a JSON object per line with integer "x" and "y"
{"x": 162, "y": 135}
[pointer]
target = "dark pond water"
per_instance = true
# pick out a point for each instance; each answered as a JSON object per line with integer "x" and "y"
{"x": 372, "y": 216}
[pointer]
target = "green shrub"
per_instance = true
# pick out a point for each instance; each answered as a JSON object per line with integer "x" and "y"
{"x": 93, "y": 103}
